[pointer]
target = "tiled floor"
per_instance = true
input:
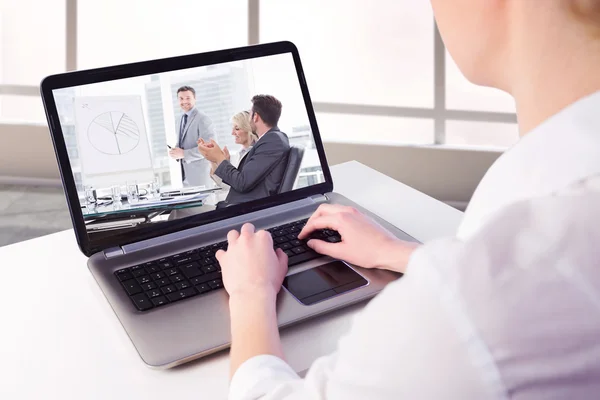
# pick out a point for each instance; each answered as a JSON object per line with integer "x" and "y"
{"x": 27, "y": 212}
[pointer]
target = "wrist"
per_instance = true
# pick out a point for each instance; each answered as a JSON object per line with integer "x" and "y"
{"x": 396, "y": 254}
{"x": 252, "y": 295}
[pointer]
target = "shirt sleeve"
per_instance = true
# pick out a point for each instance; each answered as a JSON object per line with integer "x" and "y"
{"x": 411, "y": 341}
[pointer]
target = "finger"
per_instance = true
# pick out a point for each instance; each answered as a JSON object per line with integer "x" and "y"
{"x": 281, "y": 257}
{"x": 232, "y": 236}
{"x": 335, "y": 250}
{"x": 219, "y": 255}
{"x": 331, "y": 221}
{"x": 247, "y": 229}
{"x": 324, "y": 209}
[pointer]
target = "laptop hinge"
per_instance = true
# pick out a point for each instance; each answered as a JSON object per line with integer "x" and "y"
{"x": 113, "y": 252}
{"x": 319, "y": 198}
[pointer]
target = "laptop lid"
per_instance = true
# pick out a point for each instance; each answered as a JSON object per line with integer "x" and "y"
{"x": 115, "y": 129}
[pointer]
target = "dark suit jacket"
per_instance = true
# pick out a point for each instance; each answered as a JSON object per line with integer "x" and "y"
{"x": 260, "y": 172}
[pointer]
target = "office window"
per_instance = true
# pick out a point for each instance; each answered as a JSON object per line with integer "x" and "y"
{"x": 26, "y": 57}
{"x": 142, "y": 30}
{"x": 32, "y": 40}
{"x": 370, "y": 129}
{"x": 377, "y": 53}
{"x": 492, "y": 134}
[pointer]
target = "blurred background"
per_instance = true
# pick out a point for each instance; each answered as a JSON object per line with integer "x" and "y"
{"x": 385, "y": 90}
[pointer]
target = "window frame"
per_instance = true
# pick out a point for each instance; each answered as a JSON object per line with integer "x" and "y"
{"x": 439, "y": 113}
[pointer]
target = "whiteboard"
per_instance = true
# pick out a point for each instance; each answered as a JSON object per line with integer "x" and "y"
{"x": 112, "y": 140}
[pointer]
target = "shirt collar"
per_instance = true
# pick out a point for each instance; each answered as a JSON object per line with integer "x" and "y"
{"x": 270, "y": 130}
{"x": 562, "y": 150}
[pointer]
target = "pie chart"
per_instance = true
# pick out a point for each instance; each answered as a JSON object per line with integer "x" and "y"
{"x": 113, "y": 133}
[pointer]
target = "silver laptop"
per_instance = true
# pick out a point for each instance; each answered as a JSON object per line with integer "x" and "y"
{"x": 151, "y": 224}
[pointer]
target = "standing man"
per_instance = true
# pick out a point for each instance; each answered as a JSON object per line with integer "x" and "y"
{"x": 192, "y": 126}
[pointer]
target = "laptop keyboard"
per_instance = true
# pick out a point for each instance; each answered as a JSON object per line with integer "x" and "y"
{"x": 195, "y": 272}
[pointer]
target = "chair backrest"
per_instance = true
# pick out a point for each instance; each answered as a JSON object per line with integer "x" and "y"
{"x": 291, "y": 170}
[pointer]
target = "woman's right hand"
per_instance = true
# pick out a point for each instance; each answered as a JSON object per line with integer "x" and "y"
{"x": 227, "y": 155}
{"x": 364, "y": 242}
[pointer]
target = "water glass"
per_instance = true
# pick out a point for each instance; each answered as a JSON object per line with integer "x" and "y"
{"x": 90, "y": 196}
{"x": 115, "y": 193}
{"x": 133, "y": 193}
{"x": 153, "y": 191}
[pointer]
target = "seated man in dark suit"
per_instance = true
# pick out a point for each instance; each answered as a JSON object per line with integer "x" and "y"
{"x": 261, "y": 171}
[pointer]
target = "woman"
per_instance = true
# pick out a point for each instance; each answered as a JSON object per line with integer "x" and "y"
{"x": 510, "y": 307}
{"x": 244, "y": 136}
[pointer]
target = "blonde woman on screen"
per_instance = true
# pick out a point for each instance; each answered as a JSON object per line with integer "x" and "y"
{"x": 507, "y": 308}
{"x": 244, "y": 136}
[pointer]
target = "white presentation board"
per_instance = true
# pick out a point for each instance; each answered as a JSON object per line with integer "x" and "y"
{"x": 112, "y": 140}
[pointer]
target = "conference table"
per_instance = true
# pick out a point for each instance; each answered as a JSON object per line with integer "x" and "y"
{"x": 60, "y": 339}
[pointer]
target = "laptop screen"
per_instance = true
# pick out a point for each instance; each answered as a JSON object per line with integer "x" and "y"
{"x": 186, "y": 143}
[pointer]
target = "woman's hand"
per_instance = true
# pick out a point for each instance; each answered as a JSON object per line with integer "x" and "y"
{"x": 227, "y": 155}
{"x": 364, "y": 242}
{"x": 250, "y": 267}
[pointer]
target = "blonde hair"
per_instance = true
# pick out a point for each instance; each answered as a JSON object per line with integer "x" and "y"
{"x": 588, "y": 13}
{"x": 242, "y": 120}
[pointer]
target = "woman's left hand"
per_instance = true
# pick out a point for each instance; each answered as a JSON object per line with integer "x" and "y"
{"x": 250, "y": 266}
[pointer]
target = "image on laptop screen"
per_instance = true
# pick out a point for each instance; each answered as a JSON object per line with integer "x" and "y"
{"x": 133, "y": 143}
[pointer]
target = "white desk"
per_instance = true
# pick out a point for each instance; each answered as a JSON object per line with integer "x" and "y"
{"x": 60, "y": 339}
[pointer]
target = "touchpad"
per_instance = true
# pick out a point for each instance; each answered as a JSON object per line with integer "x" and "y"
{"x": 322, "y": 282}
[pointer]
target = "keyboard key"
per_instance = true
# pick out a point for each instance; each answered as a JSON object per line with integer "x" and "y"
{"x": 184, "y": 260}
{"x": 208, "y": 261}
{"x": 172, "y": 271}
{"x": 148, "y": 286}
{"x": 280, "y": 239}
{"x": 292, "y": 236}
{"x": 207, "y": 253}
{"x": 203, "y": 288}
{"x": 138, "y": 272}
{"x": 142, "y": 302}
{"x": 296, "y": 243}
{"x": 298, "y": 250}
{"x": 216, "y": 284}
{"x": 177, "y": 278}
{"x": 154, "y": 293}
{"x": 157, "y": 275}
{"x": 182, "y": 294}
{"x": 132, "y": 287}
{"x": 285, "y": 246}
{"x": 182, "y": 285}
{"x": 177, "y": 257}
{"x": 165, "y": 264}
{"x": 206, "y": 278}
{"x": 191, "y": 253}
{"x": 209, "y": 268}
{"x": 144, "y": 279}
{"x": 159, "y": 301}
{"x": 191, "y": 270}
{"x": 289, "y": 253}
{"x": 124, "y": 275}
{"x": 295, "y": 229}
{"x": 153, "y": 269}
{"x": 163, "y": 282}
{"x": 279, "y": 233}
{"x": 168, "y": 289}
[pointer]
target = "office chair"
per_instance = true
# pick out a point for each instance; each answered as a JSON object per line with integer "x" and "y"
{"x": 294, "y": 160}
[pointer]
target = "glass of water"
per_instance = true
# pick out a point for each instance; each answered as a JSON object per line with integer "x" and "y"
{"x": 90, "y": 196}
{"x": 133, "y": 193}
{"x": 115, "y": 193}
{"x": 153, "y": 189}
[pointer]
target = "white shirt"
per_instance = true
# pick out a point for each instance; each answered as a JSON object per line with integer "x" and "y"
{"x": 510, "y": 308}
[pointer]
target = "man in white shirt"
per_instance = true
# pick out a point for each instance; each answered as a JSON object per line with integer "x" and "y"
{"x": 510, "y": 307}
